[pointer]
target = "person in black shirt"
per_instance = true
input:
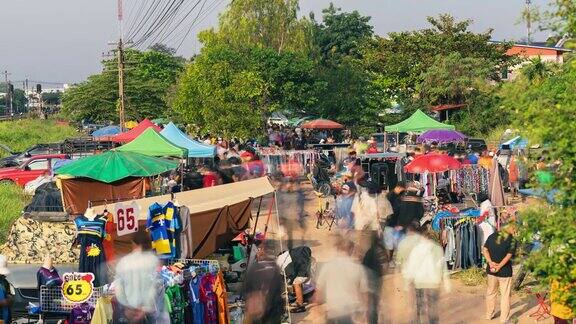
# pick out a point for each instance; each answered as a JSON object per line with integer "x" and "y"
{"x": 411, "y": 207}
{"x": 498, "y": 251}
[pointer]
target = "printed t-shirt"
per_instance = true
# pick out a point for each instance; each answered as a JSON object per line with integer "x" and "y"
{"x": 162, "y": 224}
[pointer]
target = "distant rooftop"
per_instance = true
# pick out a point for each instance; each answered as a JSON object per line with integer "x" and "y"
{"x": 540, "y": 45}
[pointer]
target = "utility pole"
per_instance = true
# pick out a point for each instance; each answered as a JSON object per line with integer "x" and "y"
{"x": 529, "y": 20}
{"x": 120, "y": 53}
{"x": 8, "y": 96}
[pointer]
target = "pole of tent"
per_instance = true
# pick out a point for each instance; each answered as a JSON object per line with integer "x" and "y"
{"x": 254, "y": 232}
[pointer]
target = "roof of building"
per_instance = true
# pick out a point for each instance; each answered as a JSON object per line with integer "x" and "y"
{"x": 447, "y": 107}
{"x": 538, "y": 45}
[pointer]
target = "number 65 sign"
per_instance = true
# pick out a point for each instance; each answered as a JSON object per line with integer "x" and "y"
{"x": 126, "y": 218}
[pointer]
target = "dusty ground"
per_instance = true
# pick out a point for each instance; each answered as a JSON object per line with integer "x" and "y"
{"x": 462, "y": 305}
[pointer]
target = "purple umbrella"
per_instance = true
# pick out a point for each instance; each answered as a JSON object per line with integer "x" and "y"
{"x": 441, "y": 136}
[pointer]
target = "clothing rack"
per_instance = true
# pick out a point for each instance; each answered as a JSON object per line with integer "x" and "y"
{"x": 199, "y": 262}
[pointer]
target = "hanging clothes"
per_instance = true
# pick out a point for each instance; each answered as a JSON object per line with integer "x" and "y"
{"x": 162, "y": 224}
{"x": 103, "y": 312}
{"x": 48, "y": 277}
{"x": 176, "y": 304}
{"x": 222, "y": 298}
{"x": 81, "y": 314}
{"x": 186, "y": 243}
{"x": 108, "y": 243}
{"x": 90, "y": 234}
{"x": 208, "y": 298}
{"x": 195, "y": 302}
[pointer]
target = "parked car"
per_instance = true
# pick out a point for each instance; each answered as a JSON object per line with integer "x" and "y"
{"x": 76, "y": 147}
{"x": 30, "y": 169}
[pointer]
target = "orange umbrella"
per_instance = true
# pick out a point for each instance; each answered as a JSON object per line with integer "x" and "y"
{"x": 322, "y": 124}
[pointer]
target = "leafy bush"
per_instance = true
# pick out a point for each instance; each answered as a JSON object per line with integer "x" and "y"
{"x": 12, "y": 201}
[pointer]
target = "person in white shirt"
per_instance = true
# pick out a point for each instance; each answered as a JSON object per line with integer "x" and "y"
{"x": 343, "y": 284}
{"x": 424, "y": 269}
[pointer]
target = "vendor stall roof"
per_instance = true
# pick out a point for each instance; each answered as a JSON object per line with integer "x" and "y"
{"x": 322, "y": 124}
{"x": 135, "y": 132}
{"x": 152, "y": 143}
{"x": 195, "y": 149}
{"x": 206, "y": 199}
{"x": 419, "y": 122}
{"x": 107, "y": 131}
{"x": 116, "y": 165}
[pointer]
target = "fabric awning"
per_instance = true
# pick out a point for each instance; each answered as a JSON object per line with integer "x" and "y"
{"x": 419, "y": 122}
{"x": 195, "y": 149}
{"x": 206, "y": 199}
{"x": 151, "y": 143}
{"x": 135, "y": 132}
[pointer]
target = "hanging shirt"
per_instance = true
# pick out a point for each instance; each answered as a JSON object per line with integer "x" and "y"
{"x": 195, "y": 303}
{"x": 177, "y": 304}
{"x": 108, "y": 243}
{"x": 103, "y": 311}
{"x": 81, "y": 314}
{"x": 48, "y": 277}
{"x": 222, "y": 298}
{"x": 162, "y": 225}
{"x": 5, "y": 312}
{"x": 208, "y": 298}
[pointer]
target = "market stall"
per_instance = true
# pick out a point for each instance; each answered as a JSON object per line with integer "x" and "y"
{"x": 419, "y": 122}
{"x": 151, "y": 143}
{"x": 135, "y": 131}
{"x": 195, "y": 148}
{"x": 108, "y": 176}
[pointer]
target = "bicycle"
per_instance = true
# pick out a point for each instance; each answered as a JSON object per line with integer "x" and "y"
{"x": 325, "y": 217}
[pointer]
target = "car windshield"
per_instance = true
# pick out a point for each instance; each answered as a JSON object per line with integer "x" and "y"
{"x": 40, "y": 164}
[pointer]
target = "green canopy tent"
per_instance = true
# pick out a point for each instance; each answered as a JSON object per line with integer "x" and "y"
{"x": 115, "y": 165}
{"x": 153, "y": 144}
{"x": 419, "y": 122}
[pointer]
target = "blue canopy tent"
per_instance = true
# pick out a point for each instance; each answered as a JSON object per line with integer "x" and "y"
{"x": 195, "y": 149}
{"x": 107, "y": 131}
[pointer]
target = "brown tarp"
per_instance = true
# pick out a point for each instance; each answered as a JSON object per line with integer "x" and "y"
{"x": 211, "y": 229}
{"x": 77, "y": 192}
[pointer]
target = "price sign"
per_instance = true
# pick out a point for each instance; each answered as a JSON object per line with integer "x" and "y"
{"x": 77, "y": 287}
{"x": 126, "y": 217}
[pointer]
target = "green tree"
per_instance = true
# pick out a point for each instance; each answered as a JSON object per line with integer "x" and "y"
{"x": 544, "y": 110}
{"x": 561, "y": 18}
{"x": 232, "y": 90}
{"x": 262, "y": 23}
{"x": 341, "y": 33}
{"x": 148, "y": 78}
{"x": 401, "y": 59}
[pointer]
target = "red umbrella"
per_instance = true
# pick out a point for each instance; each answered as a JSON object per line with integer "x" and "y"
{"x": 322, "y": 124}
{"x": 433, "y": 162}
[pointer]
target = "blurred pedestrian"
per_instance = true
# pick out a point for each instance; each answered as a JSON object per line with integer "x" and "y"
{"x": 424, "y": 269}
{"x": 344, "y": 201}
{"x": 392, "y": 231}
{"x": 411, "y": 206}
{"x": 366, "y": 215}
{"x": 136, "y": 286}
{"x": 343, "y": 286}
{"x": 263, "y": 289}
{"x": 498, "y": 251}
{"x": 372, "y": 263}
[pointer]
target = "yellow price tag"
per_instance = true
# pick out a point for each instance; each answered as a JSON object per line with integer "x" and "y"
{"x": 77, "y": 287}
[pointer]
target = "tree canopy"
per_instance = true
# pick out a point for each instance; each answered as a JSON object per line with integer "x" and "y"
{"x": 148, "y": 77}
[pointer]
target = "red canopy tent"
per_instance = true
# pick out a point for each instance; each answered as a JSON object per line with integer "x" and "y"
{"x": 135, "y": 132}
{"x": 322, "y": 124}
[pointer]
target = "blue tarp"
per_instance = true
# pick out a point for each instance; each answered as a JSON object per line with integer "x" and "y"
{"x": 516, "y": 142}
{"x": 107, "y": 131}
{"x": 195, "y": 149}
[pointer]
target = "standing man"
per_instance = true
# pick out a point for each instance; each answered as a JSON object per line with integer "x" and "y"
{"x": 6, "y": 298}
{"x": 392, "y": 231}
{"x": 498, "y": 251}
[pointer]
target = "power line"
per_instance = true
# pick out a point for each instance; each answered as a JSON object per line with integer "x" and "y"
{"x": 167, "y": 34}
{"x": 215, "y": 3}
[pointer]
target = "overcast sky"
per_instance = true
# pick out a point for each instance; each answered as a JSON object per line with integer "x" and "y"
{"x": 63, "y": 40}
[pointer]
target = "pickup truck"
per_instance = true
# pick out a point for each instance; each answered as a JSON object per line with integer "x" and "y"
{"x": 30, "y": 169}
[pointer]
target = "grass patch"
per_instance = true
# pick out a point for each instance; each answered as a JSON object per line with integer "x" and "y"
{"x": 20, "y": 134}
{"x": 12, "y": 201}
{"x": 471, "y": 277}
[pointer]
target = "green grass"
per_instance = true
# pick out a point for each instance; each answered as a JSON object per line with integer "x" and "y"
{"x": 471, "y": 277}
{"x": 12, "y": 201}
{"x": 18, "y": 135}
